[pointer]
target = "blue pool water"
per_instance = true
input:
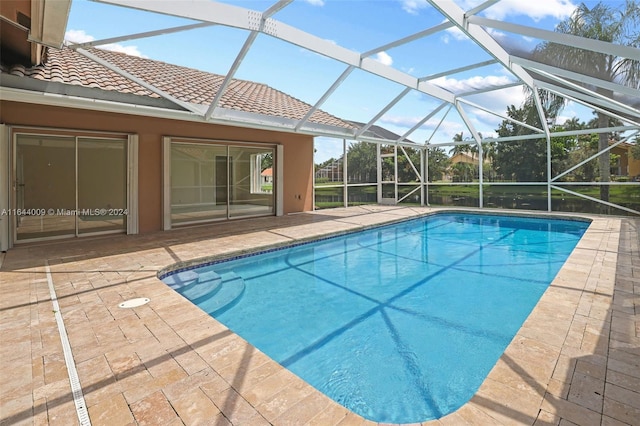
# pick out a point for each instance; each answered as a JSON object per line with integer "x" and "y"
{"x": 400, "y": 323}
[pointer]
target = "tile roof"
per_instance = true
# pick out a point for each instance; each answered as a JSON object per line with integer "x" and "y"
{"x": 186, "y": 84}
{"x": 379, "y": 132}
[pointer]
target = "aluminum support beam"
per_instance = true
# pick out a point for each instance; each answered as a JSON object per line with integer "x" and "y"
{"x": 232, "y": 71}
{"x": 526, "y": 63}
{"x": 560, "y": 38}
{"x": 482, "y": 6}
{"x": 597, "y": 200}
{"x": 383, "y": 111}
{"x": 424, "y": 120}
{"x": 545, "y": 126}
{"x": 243, "y": 52}
{"x": 621, "y": 106}
{"x": 415, "y": 170}
{"x": 140, "y": 35}
{"x": 590, "y": 131}
{"x": 423, "y": 176}
{"x": 504, "y": 117}
{"x": 452, "y": 143}
{"x": 438, "y": 126}
{"x": 458, "y": 70}
{"x": 326, "y": 95}
{"x": 516, "y": 138}
{"x": 408, "y": 39}
{"x": 489, "y": 89}
{"x": 478, "y": 140}
{"x": 587, "y": 101}
{"x": 596, "y": 155}
{"x": 238, "y": 17}
{"x": 456, "y": 15}
{"x": 139, "y": 81}
{"x": 345, "y": 180}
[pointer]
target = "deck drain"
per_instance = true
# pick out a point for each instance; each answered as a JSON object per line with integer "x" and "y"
{"x": 134, "y": 303}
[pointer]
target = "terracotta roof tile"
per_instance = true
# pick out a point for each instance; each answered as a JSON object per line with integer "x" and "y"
{"x": 186, "y": 84}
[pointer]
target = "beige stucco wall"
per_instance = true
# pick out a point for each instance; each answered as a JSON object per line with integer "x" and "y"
{"x": 298, "y": 149}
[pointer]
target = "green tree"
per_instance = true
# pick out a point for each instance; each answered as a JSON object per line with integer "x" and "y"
{"x": 362, "y": 162}
{"x": 463, "y": 172}
{"x": 606, "y": 23}
{"x": 266, "y": 161}
{"x": 405, "y": 171}
{"x": 438, "y": 163}
{"x": 460, "y": 148}
{"x": 569, "y": 150}
{"x": 522, "y": 160}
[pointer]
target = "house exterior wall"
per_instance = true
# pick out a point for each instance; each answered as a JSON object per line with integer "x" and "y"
{"x": 632, "y": 164}
{"x": 10, "y": 9}
{"x": 298, "y": 149}
{"x": 629, "y": 166}
{"x": 634, "y": 167}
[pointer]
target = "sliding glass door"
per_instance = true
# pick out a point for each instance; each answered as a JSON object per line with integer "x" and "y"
{"x": 250, "y": 189}
{"x": 102, "y": 185}
{"x": 67, "y": 186}
{"x": 45, "y": 180}
{"x": 219, "y": 181}
{"x": 198, "y": 183}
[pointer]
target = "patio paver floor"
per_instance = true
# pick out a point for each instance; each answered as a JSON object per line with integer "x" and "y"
{"x": 576, "y": 360}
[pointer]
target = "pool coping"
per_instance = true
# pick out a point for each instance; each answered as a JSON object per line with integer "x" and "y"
{"x": 531, "y": 382}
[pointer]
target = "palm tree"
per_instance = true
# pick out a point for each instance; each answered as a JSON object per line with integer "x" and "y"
{"x": 606, "y": 23}
{"x": 460, "y": 148}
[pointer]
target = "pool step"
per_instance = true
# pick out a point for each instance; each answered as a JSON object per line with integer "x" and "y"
{"x": 181, "y": 279}
{"x": 230, "y": 290}
{"x": 207, "y": 285}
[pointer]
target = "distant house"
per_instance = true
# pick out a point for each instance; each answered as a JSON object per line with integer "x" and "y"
{"x": 331, "y": 172}
{"x": 462, "y": 167}
{"x": 464, "y": 157}
{"x": 267, "y": 176}
{"x": 626, "y": 165}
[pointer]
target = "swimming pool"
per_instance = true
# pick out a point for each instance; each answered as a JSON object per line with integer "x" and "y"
{"x": 400, "y": 323}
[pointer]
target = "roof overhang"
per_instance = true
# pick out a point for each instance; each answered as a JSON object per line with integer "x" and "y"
{"x": 134, "y": 106}
{"x": 49, "y": 22}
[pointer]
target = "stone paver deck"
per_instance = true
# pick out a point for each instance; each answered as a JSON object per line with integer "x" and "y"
{"x": 576, "y": 360}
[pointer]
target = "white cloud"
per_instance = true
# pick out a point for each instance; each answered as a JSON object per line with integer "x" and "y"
{"x": 472, "y": 83}
{"x": 446, "y": 130}
{"x": 496, "y": 34}
{"x": 413, "y": 6}
{"x": 384, "y": 58}
{"x": 80, "y": 36}
{"x": 401, "y": 121}
{"x": 326, "y": 148}
{"x": 455, "y": 33}
{"x": 536, "y": 9}
{"x": 496, "y": 100}
{"x": 315, "y": 2}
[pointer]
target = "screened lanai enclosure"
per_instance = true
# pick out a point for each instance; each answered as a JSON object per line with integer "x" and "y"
{"x": 504, "y": 104}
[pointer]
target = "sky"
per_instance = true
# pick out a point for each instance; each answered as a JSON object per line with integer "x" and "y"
{"x": 357, "y": 25}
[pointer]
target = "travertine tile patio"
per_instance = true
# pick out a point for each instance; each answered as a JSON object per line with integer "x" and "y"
{"x": 576, "y": 360}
